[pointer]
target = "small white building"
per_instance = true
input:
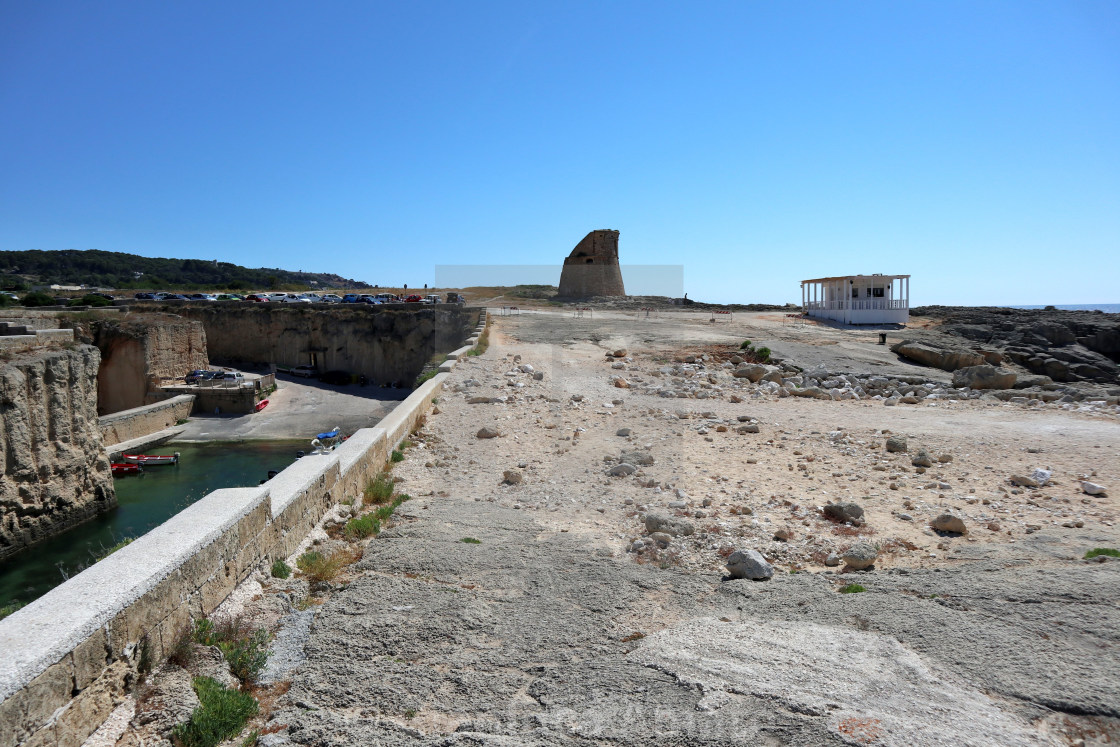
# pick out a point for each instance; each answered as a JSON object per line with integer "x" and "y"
{"x": 858, "y": 299}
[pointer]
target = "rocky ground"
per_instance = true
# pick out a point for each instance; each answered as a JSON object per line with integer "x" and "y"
{"x": 560, "y": 576}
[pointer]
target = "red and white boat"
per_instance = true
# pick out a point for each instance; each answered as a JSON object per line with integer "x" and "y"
{"x": 125, "y": 468}
{"x": 151, "y": 459}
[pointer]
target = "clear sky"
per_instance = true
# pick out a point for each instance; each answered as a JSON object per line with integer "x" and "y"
{"x": 974, "y": 145}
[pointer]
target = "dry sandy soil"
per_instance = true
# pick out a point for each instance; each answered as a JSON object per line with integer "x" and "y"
{"x": 561, "y": 623}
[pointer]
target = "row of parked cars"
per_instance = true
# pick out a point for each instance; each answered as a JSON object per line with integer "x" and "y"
{"x": 379, "y": 298}
{"x": 196, "y": 377}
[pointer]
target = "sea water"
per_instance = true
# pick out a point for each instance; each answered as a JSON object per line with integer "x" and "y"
{"x": 1108, "y": 308}
{"x": 143, "y": 502}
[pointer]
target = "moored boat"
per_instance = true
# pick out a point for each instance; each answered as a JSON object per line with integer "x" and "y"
{"x": 126, "y": 468}
{"x": 151, "y": 459}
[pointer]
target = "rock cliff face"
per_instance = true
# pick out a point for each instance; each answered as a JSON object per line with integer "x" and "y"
{"x": 134, "y": 353}
{"x": 592, "y": 268}
{"x": 56, "y": 473}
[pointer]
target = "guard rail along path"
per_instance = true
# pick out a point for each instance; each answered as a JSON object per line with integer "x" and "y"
{"x": 72, "y": 655}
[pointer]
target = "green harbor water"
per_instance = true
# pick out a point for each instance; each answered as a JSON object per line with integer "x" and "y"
{"x": 144, "y": 502}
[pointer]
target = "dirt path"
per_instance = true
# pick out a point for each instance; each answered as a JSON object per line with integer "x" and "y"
{"x": 552, "y": 630}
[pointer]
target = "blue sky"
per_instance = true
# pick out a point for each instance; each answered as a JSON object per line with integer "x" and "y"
{"x": 974, "y": 145}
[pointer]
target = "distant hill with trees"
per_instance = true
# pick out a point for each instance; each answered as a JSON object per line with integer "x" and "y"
{"x": 19, "y": 270}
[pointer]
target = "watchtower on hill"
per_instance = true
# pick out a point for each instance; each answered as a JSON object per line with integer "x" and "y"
{"x": 592, "y": 268}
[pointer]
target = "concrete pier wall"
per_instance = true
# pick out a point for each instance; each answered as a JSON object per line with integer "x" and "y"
{"x": 71, "y": 656}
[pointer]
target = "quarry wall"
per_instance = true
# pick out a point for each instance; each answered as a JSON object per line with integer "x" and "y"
{"x": 142, "y": 421}
{"x": 56, "y": 473}
{"x": 136, "y": 354}
{"x": 74, "y": 654}
{"x": 386, "y": 343}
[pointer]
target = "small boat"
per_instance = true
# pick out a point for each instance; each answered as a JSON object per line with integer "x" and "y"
{"x": 125, "y": 468}
{"x": 260, "y": 405}
{"x": 329, "y": 434}
{"x": 151, "y": 459}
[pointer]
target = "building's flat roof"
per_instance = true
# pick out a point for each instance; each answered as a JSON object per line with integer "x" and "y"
{"x": 855, "y": 277}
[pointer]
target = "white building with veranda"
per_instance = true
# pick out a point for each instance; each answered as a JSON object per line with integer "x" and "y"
{"x": 858, "y": 299}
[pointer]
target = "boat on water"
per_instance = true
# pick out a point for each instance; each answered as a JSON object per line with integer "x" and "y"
{"x": 126, "y": 468}
{"x": 151, "y": 459}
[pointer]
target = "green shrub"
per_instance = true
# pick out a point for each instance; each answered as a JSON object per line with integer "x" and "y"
{"x": 426, "y": 376}
{"x": 280, "y": 569}
{"x": 852, "y": 589}
{"x": 763, "y": 354}
{"x": 745, "y": 345}
{"x": 247, "y": 655}
{"x": 203, "y": 632}
{"x": 221, "y": 714}
{"x": 10, "y": 607}
{"x": 37, "y": 298}
{"x": 397, "y": 456}
{"x": 1105, "y": 551}
{"x": 471, "y": 541}
{"x": 361, "y": 527}
{"x": 90, "y": 300}
{"x": 379, "y": 489}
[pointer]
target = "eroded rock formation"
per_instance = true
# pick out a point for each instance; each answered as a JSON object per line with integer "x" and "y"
{"x": 56, "y": 473}
{"x": 592, "y": 268}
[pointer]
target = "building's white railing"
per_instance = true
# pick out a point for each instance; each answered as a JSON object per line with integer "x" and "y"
{"x": 872, "y": 305}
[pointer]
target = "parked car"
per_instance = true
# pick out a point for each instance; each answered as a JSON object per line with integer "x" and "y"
{"x": 386, "y": 298}
{"x": 455, "y": 298}
{"x": 202, "y": 297}
{"x": 230, "y": 297}
{"x": 312, "y": 297}
{"x": 413, "y": 299}
{"x": 331, "y": 298}
{"x": 366, "y": 298}
{"x": 257, "y": 298}
{"x": 200, "y": 375}
{"x": 433, "y": 298}
{"x": 294, "y": 298}
{"x": 350, "y": 298}
{"x": 277, "y": 296}
{"x": 305, "y": 371}
{"x": 174, "y": 297}
{"x": 144, "y": 296}
{"x": 229, "y": 376}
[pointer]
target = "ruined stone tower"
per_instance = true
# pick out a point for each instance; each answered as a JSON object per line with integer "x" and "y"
{"x": 592, "y": 267}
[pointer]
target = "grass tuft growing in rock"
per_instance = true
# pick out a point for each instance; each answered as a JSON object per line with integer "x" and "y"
{"x": 471, "y": 541}
{"x": 9, "y": 608}
{"x": 280, "y": 569}
{"x": 379, "y": 489}
{"x": 852, "y": 589}
{"x": 221, "y": 714}
{"x": 361, "y": 527}
{"x": 1102, "y": 551}
{"x": 319, "y": 568}
{"x": 397, "y": 456}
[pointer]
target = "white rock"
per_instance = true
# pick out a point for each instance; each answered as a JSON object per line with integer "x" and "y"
{"x": 749, "y": 564}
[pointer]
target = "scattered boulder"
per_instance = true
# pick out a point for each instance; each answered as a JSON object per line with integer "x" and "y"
{"x": 752, "y": 371}
{"x": 512, "y": 477}
{"x": 845, "y": 511}
{"x": 983, "y": 377}
{"x": 622, "y": 470}
{"x": 640, "y": 458}
{"x": 947, "y": 359}
{"x": 662, "y": 539}
{"x": 621, "y": 383}
{"x": 748, "y": 428}
{"x": 622, "y": 432}
{"x": 832, "y": 560}
{"x": 1041, "y": 477}
{"x": 1092, "y": 488}
{"x": 668, "y": 524}
{"x": 896, "y": 445}
{"x": 620, "y": 353}
{"x": 922, "y": 459}
{"x": 487, "y": 432}
{"x": 948, "y": 523}
{"x": 1022, "y": 481}
{"x": 861, "y": 555}
{"x": 749, "y": 564}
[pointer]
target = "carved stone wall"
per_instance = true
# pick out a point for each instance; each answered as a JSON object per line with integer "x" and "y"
{"x": 592, "y": 268}
{"x": 56, "y": 473}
